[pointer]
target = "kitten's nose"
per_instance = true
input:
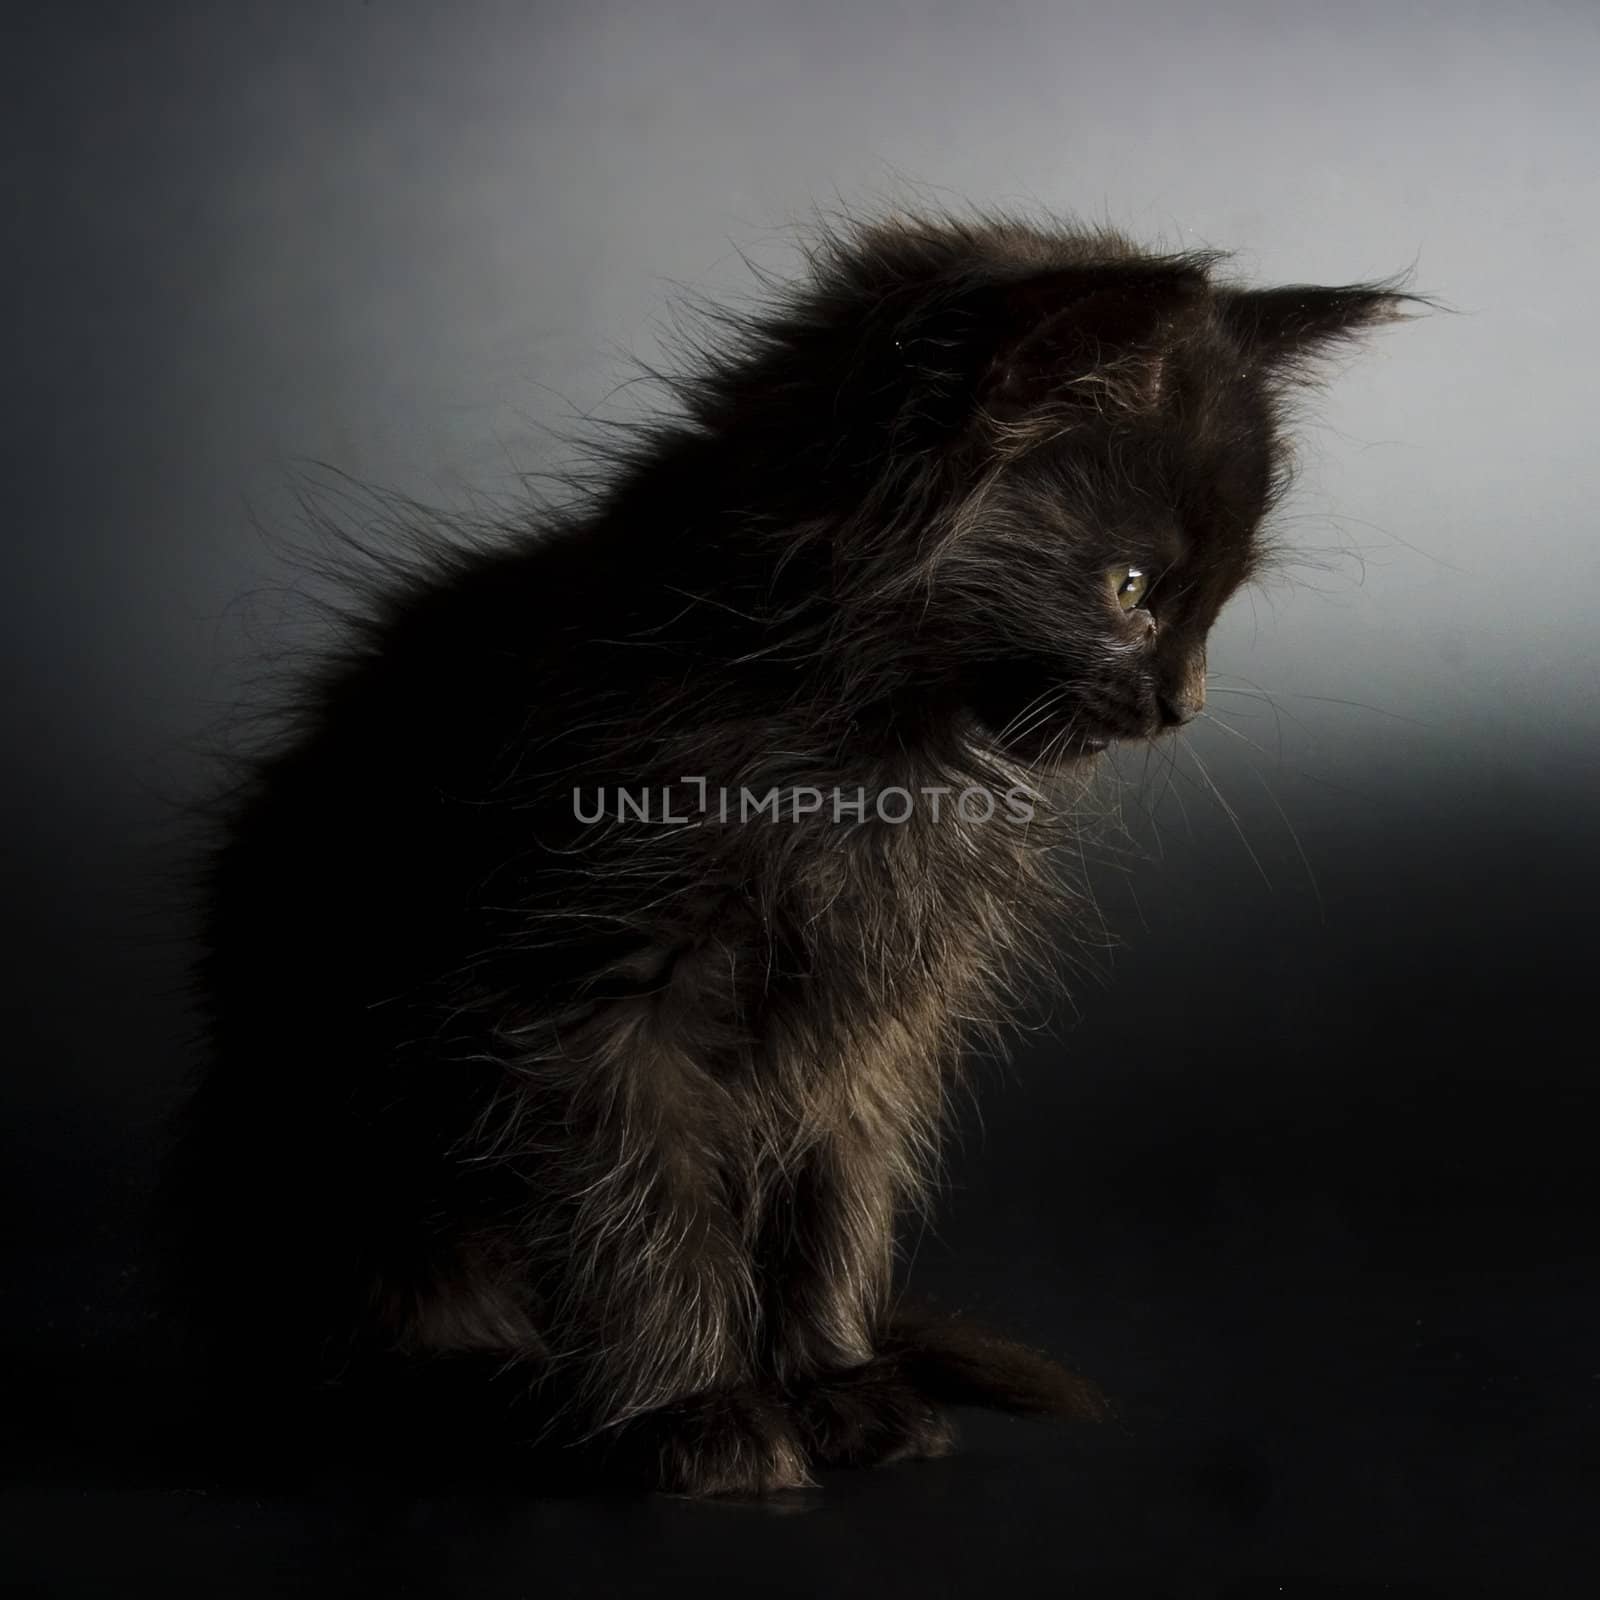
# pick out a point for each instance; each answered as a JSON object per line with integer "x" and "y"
{"x": 1182, "y": 704}
{"x": 1183, "y": 696}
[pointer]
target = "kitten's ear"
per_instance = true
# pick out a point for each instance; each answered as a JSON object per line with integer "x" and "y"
{"x": 1101, "y": 336}
{"x": 1284, "y": 327}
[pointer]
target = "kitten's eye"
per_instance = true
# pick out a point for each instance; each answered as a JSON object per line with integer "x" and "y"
{"x": 1129, "y": 584}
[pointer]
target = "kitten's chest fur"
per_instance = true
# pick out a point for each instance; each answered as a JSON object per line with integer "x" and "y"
{"x": 834, "y": 994}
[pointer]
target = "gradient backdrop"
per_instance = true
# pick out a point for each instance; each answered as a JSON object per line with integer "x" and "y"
{"x": 1309, "y": 1184}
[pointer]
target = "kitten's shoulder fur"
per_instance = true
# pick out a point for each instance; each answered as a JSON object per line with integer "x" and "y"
{"x": 633, "y": 1102}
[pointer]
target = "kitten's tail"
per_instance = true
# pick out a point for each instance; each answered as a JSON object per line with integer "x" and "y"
{"x": 957, "y": 1362}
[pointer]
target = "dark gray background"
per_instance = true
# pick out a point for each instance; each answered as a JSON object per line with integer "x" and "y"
{"x": 1308, "y": 1185}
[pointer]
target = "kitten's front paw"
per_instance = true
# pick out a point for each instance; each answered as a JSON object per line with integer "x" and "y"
{"x": 738, "y": 1444}
{"x": 871, "y": 1414}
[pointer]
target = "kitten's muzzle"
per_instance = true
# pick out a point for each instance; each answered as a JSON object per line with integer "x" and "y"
{"x": 1182, "y": 705}
{"x": 1182, "y": 697}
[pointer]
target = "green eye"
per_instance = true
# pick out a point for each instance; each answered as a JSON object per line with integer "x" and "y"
{"x": 1129, "y": 584}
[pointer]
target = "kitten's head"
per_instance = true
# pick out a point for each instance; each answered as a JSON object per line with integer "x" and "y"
{"x": 1112, "y": 437}
{"x": 1060, "y": 450}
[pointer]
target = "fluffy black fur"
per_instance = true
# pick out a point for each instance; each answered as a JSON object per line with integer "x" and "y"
{"x": 633, "y": 1106}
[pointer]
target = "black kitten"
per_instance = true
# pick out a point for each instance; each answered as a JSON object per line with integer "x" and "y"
{"x": 587, "y": 972}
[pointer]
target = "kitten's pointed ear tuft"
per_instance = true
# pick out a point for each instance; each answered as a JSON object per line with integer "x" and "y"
{"x": 1280, "y": 327}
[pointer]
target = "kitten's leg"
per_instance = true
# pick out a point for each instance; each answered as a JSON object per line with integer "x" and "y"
{"x": 642, "y": 1264}
{"x": 830, "y": 1267}
{"x": 871, "y": 1383}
